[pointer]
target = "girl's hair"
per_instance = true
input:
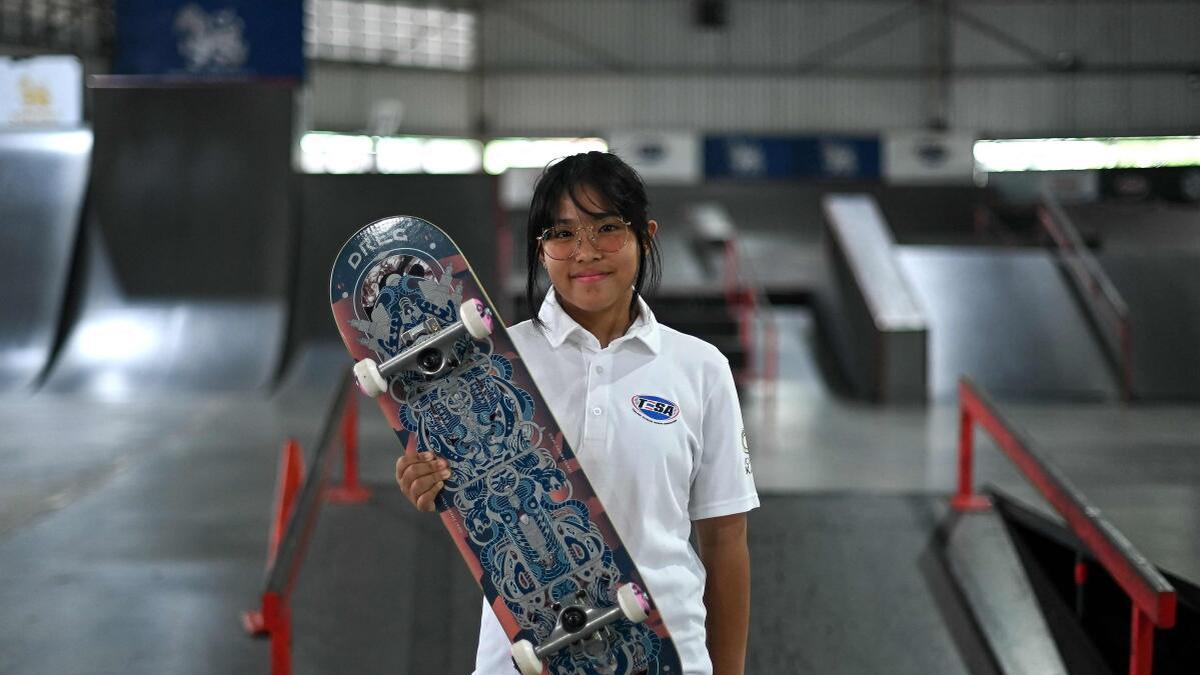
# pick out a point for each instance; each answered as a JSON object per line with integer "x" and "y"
{"x": 613, "y": 181}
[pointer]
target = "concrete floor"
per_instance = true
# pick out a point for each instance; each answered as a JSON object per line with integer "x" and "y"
{"x": 1139, "y": 464}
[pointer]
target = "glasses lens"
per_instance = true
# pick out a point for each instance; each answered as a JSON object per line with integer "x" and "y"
{"x": 610, "y": 235}
{"x": 559, "y": 242}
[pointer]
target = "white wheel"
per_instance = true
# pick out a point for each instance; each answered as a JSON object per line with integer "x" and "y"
{"x": 370, "y": 380}
{"x": 633, "y": 603}
{"x": 472, "y": 315}
{"x": 527, "y": 660}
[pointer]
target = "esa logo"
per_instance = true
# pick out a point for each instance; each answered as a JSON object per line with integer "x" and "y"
{"x": 656, "y": 409}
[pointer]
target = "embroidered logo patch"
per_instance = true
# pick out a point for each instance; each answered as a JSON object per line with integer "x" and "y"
{"x": 656, "y": 409}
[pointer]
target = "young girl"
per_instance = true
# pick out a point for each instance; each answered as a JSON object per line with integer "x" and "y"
{"x": 594, "y": 348}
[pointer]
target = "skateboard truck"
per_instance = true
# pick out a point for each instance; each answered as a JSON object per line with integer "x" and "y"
{"x": 431, "y": 357}
{"x": 577, "y": 623}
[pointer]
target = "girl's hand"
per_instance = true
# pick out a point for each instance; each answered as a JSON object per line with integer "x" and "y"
{"x": 421, "y": 477}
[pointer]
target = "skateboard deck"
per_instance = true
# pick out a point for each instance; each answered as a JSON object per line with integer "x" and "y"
{"x": 517, "y": 505}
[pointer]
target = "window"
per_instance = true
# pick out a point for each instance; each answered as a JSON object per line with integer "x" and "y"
{"x": 503, "y": 154}
{"x": 322, "y": 152}
{"x": 388, "y": 33}
{"x": 327, "y": 152}
{"x": 75, "y": 26}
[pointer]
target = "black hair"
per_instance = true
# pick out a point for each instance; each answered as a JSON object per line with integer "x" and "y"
{"x": 619, "y": 185}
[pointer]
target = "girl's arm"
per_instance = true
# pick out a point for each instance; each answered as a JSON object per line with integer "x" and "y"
{"x": 726, "y": 560}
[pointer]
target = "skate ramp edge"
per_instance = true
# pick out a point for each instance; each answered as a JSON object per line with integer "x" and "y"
{"x": 186, "y": 255}
{"x": 879, "y": 328}
{"x": 43, "y": 180}
{"x": 984, "y": 564}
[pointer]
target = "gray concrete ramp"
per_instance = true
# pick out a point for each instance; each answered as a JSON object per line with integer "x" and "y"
{"x": 1007, "y": 319}
{"x": 43, "y": 180}
{"x": 988, "y": 571}
{"x": 187, "y": 243}
{"x": 1162, "y": 292}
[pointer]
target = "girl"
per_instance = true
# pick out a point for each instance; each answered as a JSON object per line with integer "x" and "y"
{"x": 595, "y": 350}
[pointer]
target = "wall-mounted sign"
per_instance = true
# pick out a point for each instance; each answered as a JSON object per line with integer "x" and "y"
{"x": 914, "y": 157}
{"x": 854, "y": 157}
{"x": 660, "y": 157}
{"x": 43, "y": 91}
{"x": 210, "y": 38}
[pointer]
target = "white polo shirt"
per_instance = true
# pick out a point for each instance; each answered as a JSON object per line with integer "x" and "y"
{"x": 653, "y": 473}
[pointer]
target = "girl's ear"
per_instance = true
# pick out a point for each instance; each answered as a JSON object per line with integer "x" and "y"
{"x": 651, "y": 229}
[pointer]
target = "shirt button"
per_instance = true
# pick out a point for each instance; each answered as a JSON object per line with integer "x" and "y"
{"x": 596, "y": 411}
{"x": 599, "y": 369}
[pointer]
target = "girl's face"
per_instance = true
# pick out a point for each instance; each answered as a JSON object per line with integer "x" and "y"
{"x": 593, "y": 281}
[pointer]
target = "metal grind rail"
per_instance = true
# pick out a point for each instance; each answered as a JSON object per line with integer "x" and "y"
{"x": 745, "y": 299}
{"x": 988, "y": 223}
{"x": 1100, "y": 296}
{"x": 748, "y": 302}
{"x": 1153, "y": 598}
{"x": 295, "y": 518}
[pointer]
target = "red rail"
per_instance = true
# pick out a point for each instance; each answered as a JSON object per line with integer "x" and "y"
{"x": 295, "y": 516}
{"x": 1152, "y": 595}
{"x": 1101, "y": 298}
{"x": 746, "y": 301}
{"x": 987, "y": 222}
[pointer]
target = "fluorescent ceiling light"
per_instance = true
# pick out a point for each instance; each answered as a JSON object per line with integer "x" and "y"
{"x": 1062, "y": 154}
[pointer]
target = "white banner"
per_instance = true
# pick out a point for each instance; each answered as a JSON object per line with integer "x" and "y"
{"x": 916, "y": 157}
{"x": 43, "y": 91}
{"x": 661, "y": 157}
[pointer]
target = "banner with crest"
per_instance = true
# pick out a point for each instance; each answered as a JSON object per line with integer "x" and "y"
{"x": 210, "y": 38}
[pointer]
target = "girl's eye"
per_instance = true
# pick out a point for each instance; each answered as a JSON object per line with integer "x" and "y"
{"x": 561, "y": 234}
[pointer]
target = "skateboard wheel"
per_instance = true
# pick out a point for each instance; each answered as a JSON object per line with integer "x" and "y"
{"x": 633, "y": 603}
{"x": 526, "y": 658}
{"x": 370, "y": 380}
{"x": 476, "y": 318}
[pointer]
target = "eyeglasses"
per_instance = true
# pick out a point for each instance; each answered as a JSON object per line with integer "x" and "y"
{"x": 562, "y": 243}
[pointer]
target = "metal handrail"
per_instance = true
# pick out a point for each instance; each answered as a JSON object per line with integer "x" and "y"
{"x": 1111, "y": 313}
{"x": 289, "y": 558}
{"x": 749, "y": 300}
{"x": 1153, "y": 597}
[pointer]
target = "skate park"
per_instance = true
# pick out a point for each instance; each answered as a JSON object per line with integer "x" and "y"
{"x": 170, "y": 372}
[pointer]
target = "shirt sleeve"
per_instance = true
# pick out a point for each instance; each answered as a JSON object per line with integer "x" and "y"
{"x": 493, "y": 652}
{"x": 723, "y": 483}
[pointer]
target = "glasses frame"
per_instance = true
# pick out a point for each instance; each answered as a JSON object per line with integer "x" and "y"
{"x": 591, "y": 229}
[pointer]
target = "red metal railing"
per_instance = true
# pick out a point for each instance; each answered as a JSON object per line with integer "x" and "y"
{"x": 1152, "y": 595}
{"x": 988, "y": 223}
{"x": 748, "y": 303}
{"x": 298, "y": 499}
{"x": 1101, "y": 298}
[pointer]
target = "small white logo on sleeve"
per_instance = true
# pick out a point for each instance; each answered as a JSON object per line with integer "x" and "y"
{"x": 655, "y": 409}
{"x": 746, "y": 452}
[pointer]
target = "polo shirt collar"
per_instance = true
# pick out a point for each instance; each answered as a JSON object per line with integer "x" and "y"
{"x": 560, "y": 325}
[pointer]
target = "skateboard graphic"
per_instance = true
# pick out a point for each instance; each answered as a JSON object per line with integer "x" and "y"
{"x": 429, "y": 345}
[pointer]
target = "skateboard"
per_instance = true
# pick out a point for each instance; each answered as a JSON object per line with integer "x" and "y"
{"x": 429, "y": 345}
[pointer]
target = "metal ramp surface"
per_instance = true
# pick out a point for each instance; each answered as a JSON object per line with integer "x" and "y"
{"x": 1007, "y": 319}
{"x": 43, "y": 179}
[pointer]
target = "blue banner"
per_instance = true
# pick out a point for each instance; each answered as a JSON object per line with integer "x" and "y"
{"x": 210, "y": 38}
{"x": 856, "y": 157}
